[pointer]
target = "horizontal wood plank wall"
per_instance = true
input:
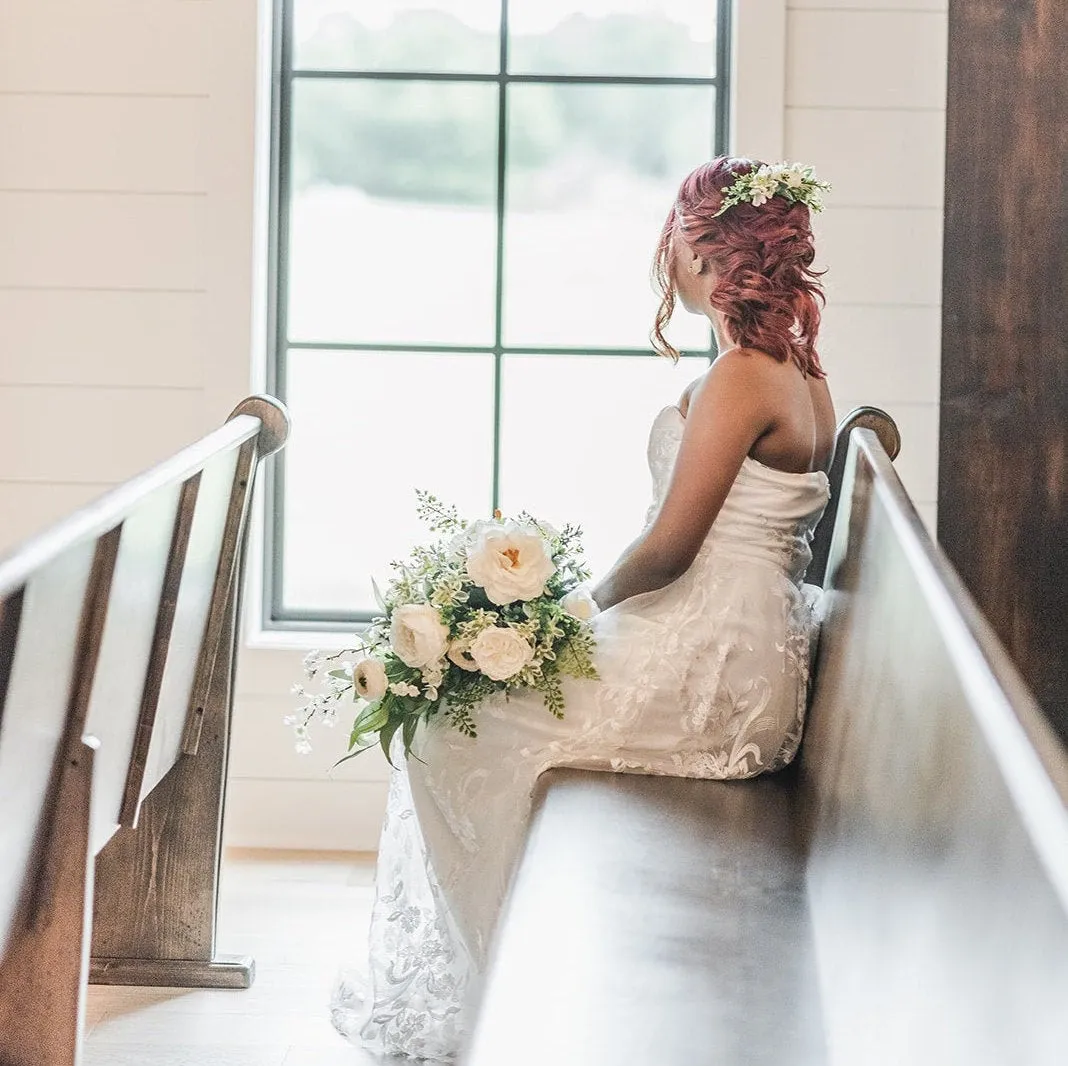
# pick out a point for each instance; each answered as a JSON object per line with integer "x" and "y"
{"x": 865, "y": 103}
{"x": 1004, "y": 467}
{"x": 103, "y": 265}
{"x": 127, "y": 284}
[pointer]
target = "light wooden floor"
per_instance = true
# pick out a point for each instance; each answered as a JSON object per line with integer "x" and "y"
{"x": 301, "y": 915}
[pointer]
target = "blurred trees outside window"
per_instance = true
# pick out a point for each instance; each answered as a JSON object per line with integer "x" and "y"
{"x": 469, "y": 199}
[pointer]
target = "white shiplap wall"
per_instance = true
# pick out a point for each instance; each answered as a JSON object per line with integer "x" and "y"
{"x": 129, "y": 262}
{"x": 102, "y": 280}
{"x": 129, "y": 189}
{"x": 865, "y": 102}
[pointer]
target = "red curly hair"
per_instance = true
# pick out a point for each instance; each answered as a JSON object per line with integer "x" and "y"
{"x": 767, "y": 291}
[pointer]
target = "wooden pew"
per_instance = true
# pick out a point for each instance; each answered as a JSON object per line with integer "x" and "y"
{"x": 117, "y": 641}
{"x": 898, "y": 895}
{"x": 933, "y": 801}
{"x": 885, "y": 428}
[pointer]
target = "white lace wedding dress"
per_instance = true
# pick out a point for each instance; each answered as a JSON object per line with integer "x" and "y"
{"x": 705, "y": 678}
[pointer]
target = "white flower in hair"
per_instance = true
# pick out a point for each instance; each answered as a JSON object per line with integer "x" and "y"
{"x": 795, "y": 182}
{"x": 765, "y": 185}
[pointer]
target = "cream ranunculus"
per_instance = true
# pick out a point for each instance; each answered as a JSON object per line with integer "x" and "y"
{"x": 580, "y": 603}
{"x": 460, "y": 654}
{"x": 369, "y": 677}
{"x": 418, "y": 635}
{"x": 501, "y": 653}
{"x": 511, "y": 562}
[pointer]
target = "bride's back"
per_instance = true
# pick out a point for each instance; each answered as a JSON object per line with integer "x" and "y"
{"x": 769, "y": 515}
{"x": 801, "y": 435}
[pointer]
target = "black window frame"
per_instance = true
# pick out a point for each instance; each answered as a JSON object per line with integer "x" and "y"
{"x": 284, "y": 75}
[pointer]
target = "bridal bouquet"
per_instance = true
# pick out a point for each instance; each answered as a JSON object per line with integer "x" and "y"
{"x": 490, "y": 606}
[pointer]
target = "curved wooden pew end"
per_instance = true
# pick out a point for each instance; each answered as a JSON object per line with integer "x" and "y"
{"x": 118, "y": 640}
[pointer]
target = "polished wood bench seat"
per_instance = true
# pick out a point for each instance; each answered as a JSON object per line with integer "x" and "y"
{"x": 657, "y": 920}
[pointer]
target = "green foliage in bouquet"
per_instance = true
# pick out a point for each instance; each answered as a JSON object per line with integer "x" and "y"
{"x": 488, "y": 607}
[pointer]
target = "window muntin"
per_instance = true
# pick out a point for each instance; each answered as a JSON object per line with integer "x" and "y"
{"x": 461, "y": 236}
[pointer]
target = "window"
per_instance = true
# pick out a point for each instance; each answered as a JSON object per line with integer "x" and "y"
{"x": 466, "y": 199}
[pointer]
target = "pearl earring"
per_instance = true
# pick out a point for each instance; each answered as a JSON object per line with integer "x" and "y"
{"x": 696, "y": 265}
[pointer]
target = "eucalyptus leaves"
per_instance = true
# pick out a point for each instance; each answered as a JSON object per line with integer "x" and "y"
{"x": 490, "y": 606}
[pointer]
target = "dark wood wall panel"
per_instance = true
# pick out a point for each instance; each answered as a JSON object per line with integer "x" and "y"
{"x": 1003, "y": 468}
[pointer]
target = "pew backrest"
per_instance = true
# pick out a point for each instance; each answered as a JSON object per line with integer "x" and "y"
{"x": 935, "y": 803}
{"x": 45, "y": 662}
{"x": 885, "y": 428}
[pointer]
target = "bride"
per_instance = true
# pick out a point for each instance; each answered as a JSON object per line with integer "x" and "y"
{"x": 704, "y": 631}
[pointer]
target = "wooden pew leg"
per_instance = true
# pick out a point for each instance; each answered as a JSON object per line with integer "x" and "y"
{"x": 42, "y": 980}
{"x": 154, "y": 920}
{"x": 157, "y": 884}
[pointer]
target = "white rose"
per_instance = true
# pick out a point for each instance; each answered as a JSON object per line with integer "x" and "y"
{"x": 418, "y": 635}
{"x": 468, "y": 536}
{"x": 500, "y": 653}
{"x": 460, "y": 654}
{"x": 369, "y": 677}
{"x": 511, "y": 562}
{"x": 580, "y": 603}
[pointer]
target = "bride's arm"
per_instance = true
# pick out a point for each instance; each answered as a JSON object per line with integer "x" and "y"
{"x": 728, "y": 412}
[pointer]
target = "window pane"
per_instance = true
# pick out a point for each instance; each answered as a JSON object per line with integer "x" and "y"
{"x": 429, "y": 35}
{"x": 593, "y": 172}
{"x": 393, "y": 213}
{"x": 650, "y": 37}
{"x": 368, "y": 429}
{"x": 574, "y": 431}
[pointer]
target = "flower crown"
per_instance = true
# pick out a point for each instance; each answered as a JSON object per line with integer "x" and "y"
{"x": 795, "y": 181}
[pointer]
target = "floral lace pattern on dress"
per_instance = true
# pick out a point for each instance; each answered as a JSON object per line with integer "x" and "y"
{"x": 412, "y": 1001}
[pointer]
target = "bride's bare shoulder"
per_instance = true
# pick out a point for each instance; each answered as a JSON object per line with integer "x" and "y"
{"x": 687, "y": 393}
{"x": 736, "y": 366}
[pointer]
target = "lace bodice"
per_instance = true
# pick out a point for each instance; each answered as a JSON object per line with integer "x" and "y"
{"x": 768, "y": 515}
